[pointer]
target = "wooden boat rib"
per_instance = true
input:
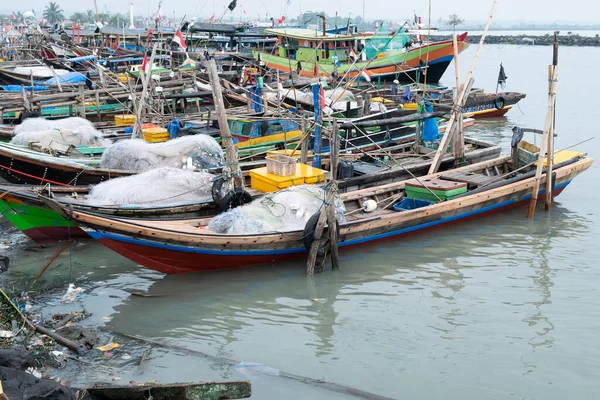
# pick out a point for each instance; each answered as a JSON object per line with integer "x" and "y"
{"x": 186, "y": 245}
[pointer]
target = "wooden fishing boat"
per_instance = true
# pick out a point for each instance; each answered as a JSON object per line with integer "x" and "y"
{"x": 479, "y": 104}
{"x": 317, "y": 53}
{"x": 187, "y": 246}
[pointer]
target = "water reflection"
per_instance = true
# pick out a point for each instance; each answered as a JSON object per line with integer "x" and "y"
{"x": 215, "y": 311}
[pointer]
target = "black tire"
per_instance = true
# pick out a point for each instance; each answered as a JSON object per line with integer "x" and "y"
{"x": 234, "y": 199}
{"x": 499, "y": 103}
{"x": 216, "y": 189}
{"x": 389, "y": 143}
{"x": 28, "y": 114}
{"x": 309, "y": 230}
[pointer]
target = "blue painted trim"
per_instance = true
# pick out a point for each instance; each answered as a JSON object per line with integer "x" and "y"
{"x": 186, "y": 249}
{"x": 441, "y": 59}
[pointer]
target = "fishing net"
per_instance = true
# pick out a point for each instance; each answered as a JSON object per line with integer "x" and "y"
{"x": 283, "y": 211}
{"x": 139, "y": 155}
{"x": 158, "y": 187}
{"x": 381, "y": 42}
{"x": 40, "y": 71}
{"x": 73, "y": 131}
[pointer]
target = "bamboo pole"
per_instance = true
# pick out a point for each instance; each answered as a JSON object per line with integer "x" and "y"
{"x": 230, "y": 149}
{"x": 459, "y": 140}
{"x": 437, "y": 160}
{"x": 137, "y": 127}
{"x": 546, "y": 146}
{"x": 549, "y": 186}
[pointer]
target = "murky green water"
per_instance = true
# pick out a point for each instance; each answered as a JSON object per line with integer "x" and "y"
{"x": 492, "y": 309}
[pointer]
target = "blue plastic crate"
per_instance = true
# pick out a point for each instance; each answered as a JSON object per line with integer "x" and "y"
{"x": 411, "y": 204}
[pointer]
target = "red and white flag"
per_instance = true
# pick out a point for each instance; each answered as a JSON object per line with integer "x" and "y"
{"x": 13, "y": 16}
{"x": 145, "y": 64}
{"x": 352, "y": 54}
{"x": 366, "y": 75}
{"x": 43, "y": 22}
{"x": 178, "y": 38}
{"x": 321, "y": 97}
{"x": 420, "y": 26}
{"x": 5, "y": 28}
{"x": 212, "y": 17}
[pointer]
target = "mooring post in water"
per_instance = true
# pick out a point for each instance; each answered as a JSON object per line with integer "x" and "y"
{"x": 331, "y": 219}
{"x": 459, "y": 139}
{"x": 549, "y": 181}
{"x": 546, "y": 148}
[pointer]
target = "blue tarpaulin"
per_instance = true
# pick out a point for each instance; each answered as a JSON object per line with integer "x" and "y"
{"x": 81, "y": 59}
{"x": 71, "y": 77}
{"x": 173, "y": 128}
{"x": 255, "y": 97}
{"x": 17, "y": 88}
{"x": 430, "y": 126}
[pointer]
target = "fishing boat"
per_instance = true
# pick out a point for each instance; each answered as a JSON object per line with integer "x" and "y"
{"x": 383, "y": 56}
{"x": 477, "y": 190}
{"x": 479, "y": 104}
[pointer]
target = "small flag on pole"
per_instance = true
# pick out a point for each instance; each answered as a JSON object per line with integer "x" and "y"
{"x": 145, "y": 64}
{"x": 178, "y": 38}
{"x": 366, "y": 75}
{"x": 352, "y": 54}
{"x": 502, "y": 77}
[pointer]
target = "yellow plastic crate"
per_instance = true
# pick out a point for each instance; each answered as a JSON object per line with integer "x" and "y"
{"x": 125, "y": 120}
{"x": 156, "y": 134}
{"x": 311, "y": 175}
{"x": 265, "y": 182}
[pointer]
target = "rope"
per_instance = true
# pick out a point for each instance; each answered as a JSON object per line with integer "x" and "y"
{"x": 33, "y": 176}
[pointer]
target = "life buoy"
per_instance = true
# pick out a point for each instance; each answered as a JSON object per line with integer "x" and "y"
{"x": 499, "y": 102}
{"x": 309, "y": 230}
{"x": 235, "y": 198}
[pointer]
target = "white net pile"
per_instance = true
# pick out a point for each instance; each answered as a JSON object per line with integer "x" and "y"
{"x": 139, "y": 155}
{"x": 74, "y": 131}
{"x": 158, "y": 187}
{"x": 40, "y": 71}
{"x": 284, "y": 211}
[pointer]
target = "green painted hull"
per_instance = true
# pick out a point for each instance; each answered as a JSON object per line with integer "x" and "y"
{"x": 39, "y": 223}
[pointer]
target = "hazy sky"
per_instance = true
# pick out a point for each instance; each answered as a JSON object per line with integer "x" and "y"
{"x": 506, "y": 10}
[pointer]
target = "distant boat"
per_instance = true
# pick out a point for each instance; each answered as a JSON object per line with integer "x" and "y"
{"x": 317, "y": 53}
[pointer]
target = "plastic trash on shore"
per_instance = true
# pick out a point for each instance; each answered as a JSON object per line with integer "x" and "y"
{"x": 283, "y": 211}
{"x": 71, "y": 293}
{"x": 161, "y": 186}
{"x": 73, "y": 131}
{"x": 139, "y": 155}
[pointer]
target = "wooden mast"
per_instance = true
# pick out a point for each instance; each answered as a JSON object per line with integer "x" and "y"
{"x": 230, "y": 150}
{"x": 464, "y": 94}
{"x": 547, "y": 146}
{"x": 459, "y": 140}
